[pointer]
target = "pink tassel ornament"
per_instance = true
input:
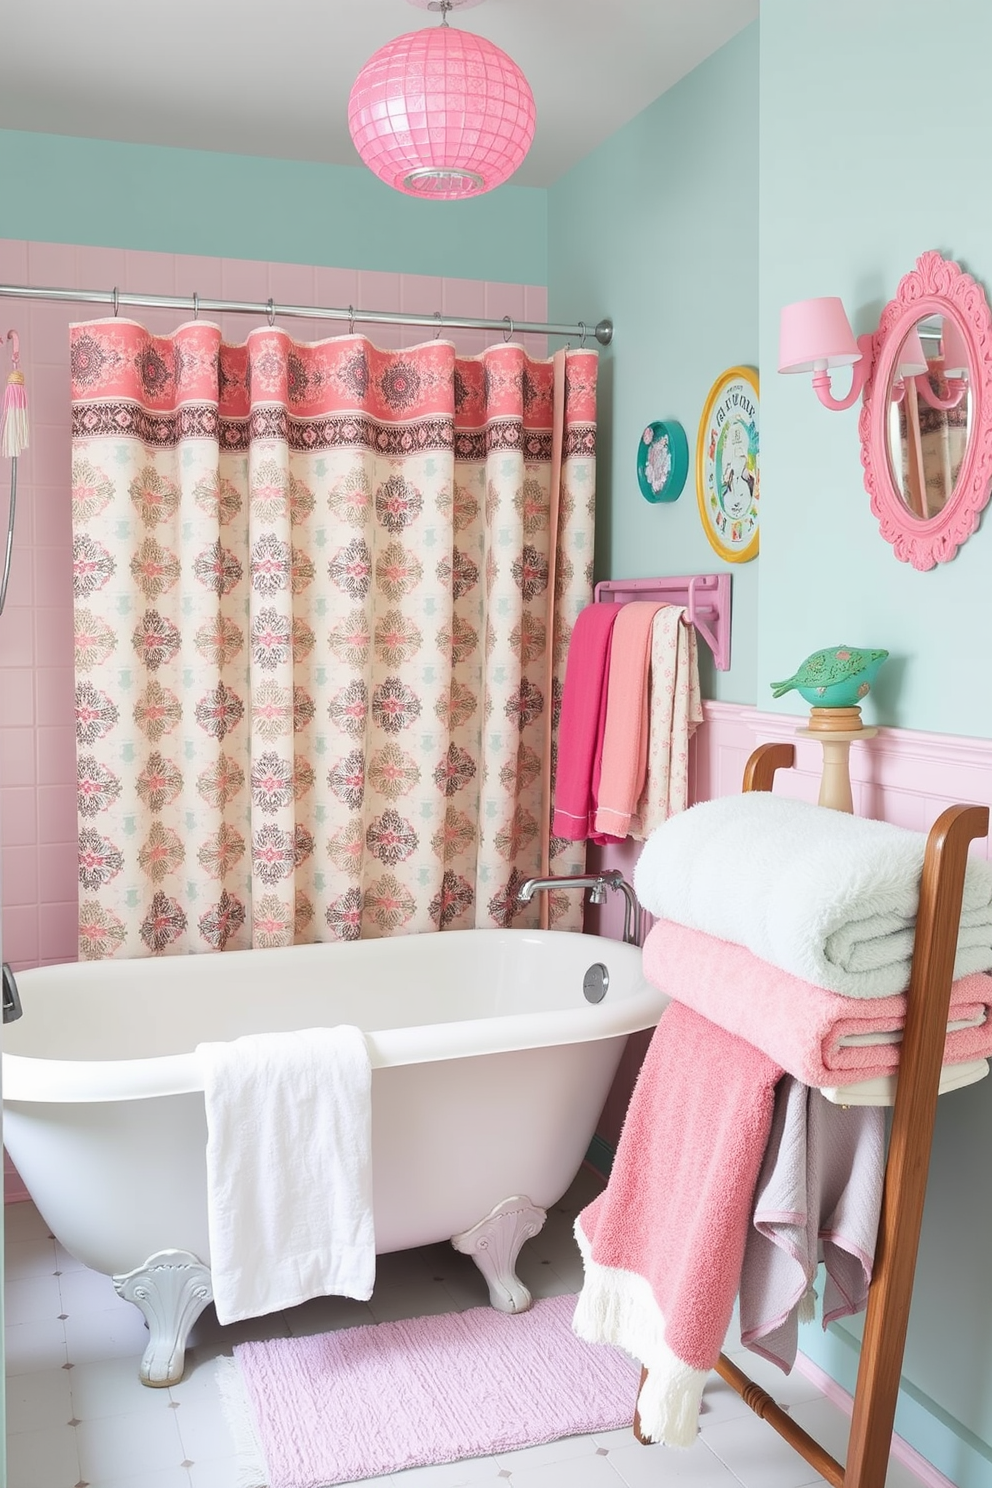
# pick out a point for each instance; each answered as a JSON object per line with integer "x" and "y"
{"x": 14, "y": 416}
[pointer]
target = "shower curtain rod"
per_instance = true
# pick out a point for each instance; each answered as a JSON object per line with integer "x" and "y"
{"x": 602, "y": 331}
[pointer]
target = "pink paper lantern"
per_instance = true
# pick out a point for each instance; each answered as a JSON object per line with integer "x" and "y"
{"x": 441, "y": 113}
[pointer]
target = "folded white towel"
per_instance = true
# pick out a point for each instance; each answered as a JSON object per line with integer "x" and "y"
{"x": 289, "y": 1175}
{"x": 829, "y": 897}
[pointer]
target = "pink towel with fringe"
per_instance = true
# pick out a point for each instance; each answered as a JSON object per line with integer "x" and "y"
{"x": 795, "y": 1023}
{"x": 582, "y": 721}
{"x": 625, "y": 737}
{"x": 663, "y": 1245}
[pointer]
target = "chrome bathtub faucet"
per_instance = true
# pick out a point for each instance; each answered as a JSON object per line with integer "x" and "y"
{"x": 597, "y": 884}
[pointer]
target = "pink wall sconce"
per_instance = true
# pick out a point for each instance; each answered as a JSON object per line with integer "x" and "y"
{"x": 815, "y": 335}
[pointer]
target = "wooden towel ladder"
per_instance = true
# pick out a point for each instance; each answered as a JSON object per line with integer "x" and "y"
{"x": 908, "y": 1159}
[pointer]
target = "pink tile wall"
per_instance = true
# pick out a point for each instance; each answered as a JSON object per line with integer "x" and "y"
{"x": 37, "y": 742}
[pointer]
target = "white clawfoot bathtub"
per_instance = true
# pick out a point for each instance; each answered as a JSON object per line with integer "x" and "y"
{"x": 490, "y": 1069}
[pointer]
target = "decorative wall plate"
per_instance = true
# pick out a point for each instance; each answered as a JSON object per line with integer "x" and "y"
{"x": 727, "y": 465}
{"x": 662, "y": 461}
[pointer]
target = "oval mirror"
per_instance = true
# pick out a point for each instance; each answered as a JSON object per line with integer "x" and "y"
{"x": 926, "y": 423}
{"x": 929, "y": 414}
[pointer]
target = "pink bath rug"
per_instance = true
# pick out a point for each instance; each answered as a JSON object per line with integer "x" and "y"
{"x": 366, "y": 1402}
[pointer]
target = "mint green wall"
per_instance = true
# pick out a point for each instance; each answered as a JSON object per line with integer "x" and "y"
{"x": 874, "y": 130}
{"x": 104, "y": 194}
{"x": 658, "y": 228}
{"x": 874, "y": 147}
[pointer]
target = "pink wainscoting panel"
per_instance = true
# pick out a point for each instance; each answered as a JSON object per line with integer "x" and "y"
{"x": 37, "y": 751}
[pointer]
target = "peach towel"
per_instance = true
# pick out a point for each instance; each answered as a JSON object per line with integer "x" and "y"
{"x": 675, "y": 709}
{"x": 625, "y": 736}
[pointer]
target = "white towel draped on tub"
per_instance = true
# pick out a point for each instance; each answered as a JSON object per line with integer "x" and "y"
{"x": 828, "y": 897}
{"x": 289, "y": 1175}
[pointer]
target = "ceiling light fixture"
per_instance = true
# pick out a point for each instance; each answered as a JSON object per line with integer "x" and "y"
{"x": 441, "y": 113}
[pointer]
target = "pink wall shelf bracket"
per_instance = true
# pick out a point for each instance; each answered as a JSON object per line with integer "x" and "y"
{"x": 705, "y": 598}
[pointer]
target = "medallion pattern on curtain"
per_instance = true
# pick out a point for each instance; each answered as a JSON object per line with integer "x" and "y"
{"x": 313, "y": 594}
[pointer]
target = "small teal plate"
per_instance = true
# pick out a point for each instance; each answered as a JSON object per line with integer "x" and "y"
{"x": 662, "y": 461}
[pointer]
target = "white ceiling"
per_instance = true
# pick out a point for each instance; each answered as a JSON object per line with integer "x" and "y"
{"x": 254, "y": 78}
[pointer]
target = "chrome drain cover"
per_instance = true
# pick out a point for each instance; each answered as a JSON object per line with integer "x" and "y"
{"x": 596, "y": 982}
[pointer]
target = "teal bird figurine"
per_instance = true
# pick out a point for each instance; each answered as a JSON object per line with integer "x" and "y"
{"x": 838, "y": 677}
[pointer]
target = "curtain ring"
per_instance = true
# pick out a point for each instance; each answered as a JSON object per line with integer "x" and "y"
{"x": 351, "y": 320}
{"x": 196, "y": 305}
{"x": 437, "y": 317}
{"x": 582, "y": 328}
{"x": 116, "y": 302}
{"x": 270, "y": 312}
{"x": 508, "y": 333}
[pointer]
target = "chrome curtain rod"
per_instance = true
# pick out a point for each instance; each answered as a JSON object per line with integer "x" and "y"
{"x": 198, "y": 305}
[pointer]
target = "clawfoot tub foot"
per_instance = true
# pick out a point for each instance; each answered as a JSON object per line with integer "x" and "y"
{"x": 494, "y": 1244}
{"x": 172, "y": 1288}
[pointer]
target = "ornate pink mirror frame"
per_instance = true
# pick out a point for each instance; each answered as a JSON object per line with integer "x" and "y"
{"x": 936, "y": 286}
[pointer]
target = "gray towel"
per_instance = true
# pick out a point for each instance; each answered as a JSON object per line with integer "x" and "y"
{"x": 818, "y": 1197}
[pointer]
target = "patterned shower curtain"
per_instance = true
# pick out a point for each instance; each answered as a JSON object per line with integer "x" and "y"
{"x": 323, "y": 597}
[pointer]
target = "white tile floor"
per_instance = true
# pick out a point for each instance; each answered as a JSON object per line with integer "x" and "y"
{"x": 76, "y": 1414}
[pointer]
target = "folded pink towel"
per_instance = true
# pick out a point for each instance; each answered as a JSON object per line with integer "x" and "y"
{"x": 582, "y": 720}
{"x": 663, "y": 1245}
{"x": 795, "y": 1023}
{"x": 818, "y": 1197}
{"x": 625, "y": 738}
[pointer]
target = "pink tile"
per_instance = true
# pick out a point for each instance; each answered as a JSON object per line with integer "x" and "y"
{"x": 56, "y": 814}
{"x": 53, "y": 266}
{"x": 505, "y": 299}
{"x": 19, "y": 872}
{"x": 464, "y": 297}
{"x": 245, "y": 279}
{"x": 16, "y": 640}
{"x": 53, "y": 576}
{"x": 50, "y": 391}
{"x": 13, "y": 260}
{"x": 51, "y": 457}
{"x": 50, "y": 508}
{"x": 100, "y": 268}
{"x": 421, "y": 294}
{"x": 18, "y": 816}
{"x": 198, "y": 274}
{"x": 16, "y": 697}
{"x": 55, "y": 695}
{"x": 20, "y": 590}
{"x": 20, "y": 935}
{"x": 535, "y": 302}
{"x": 58, "y": 930}
{"x": 291, "y": 284}
{"x": 378, "y": 291}
{"x": 17, "y": 757}
{"x": 149, "y": 273}
{"x": 45, "y": 338}
{"x": 53, "y": 635}
{"x": 335, "y": 289}
{"x": 56, "y": 755}
{"x": 58, "y": 876}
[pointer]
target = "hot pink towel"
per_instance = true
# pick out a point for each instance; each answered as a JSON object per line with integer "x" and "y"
{"x": 794, "y": 1022}
{"x": 625, "y": 737}
{"x": 583, "y": 717}
{"x": 664, "y": 1244}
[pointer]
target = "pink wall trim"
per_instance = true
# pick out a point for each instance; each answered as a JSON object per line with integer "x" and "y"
{"x": 38, "y": 887}
{"x": 901, "y": 1450}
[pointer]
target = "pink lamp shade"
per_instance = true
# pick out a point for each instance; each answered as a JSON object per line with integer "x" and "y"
{"x": 912, "y": 358}
{"x": 441, "y": 113}
{"x": 955, "y": 349}
{"x": 815, "y": 334}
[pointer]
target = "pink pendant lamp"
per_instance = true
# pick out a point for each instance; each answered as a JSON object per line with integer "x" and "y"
{"x": 441, "y": 113}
